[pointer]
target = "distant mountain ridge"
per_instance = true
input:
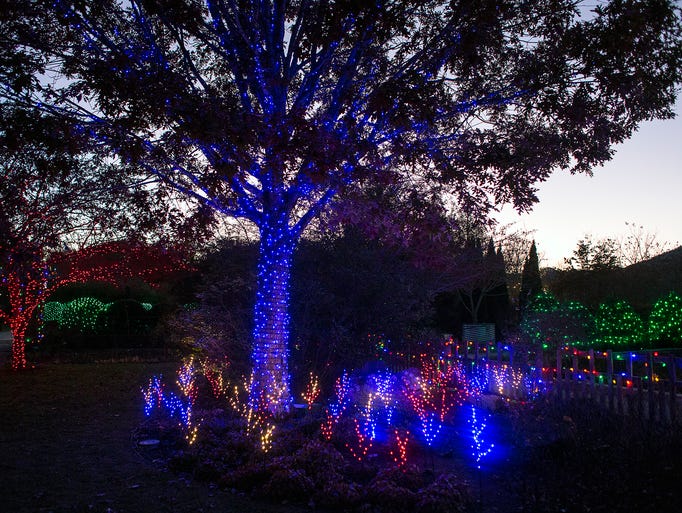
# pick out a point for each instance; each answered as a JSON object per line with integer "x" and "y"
{"x": 640, "y": 284}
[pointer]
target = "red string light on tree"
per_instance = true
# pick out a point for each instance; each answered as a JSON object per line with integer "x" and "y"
{"x": 399, "y": 455}
{"x": 363, "y": 445}
{"x": 30, "y": 277}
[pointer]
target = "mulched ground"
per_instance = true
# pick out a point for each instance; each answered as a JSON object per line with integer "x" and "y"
{"x": 65, "y": 446}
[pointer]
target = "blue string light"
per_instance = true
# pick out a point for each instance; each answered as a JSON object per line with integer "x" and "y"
{"x": 430, "y": 424}
{"x": 271, "y": 319}
{"x": 480, "y": 448}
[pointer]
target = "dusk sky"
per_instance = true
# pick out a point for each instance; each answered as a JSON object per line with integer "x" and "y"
{"x": 641, "y": 184}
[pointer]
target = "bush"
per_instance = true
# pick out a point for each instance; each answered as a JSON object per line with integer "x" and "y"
{"x": 447, "y": 494}
{"x": 127, "y": 323}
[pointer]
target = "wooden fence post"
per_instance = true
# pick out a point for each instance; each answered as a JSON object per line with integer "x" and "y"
{"x": 650, "y": 384}
{"x": 640, "y": 397}
{"x": 673, "y": 389}
{"x": 593, "y": 377}
{"x": 609, "y": 376}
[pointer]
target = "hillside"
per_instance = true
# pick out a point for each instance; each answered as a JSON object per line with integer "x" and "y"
{"x": 640, "y": 284}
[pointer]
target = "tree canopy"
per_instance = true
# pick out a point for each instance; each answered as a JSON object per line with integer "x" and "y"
{"x": 224, "y": 100}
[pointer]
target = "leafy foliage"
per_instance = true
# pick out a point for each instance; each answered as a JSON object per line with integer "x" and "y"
{"x": 595, "y": 256}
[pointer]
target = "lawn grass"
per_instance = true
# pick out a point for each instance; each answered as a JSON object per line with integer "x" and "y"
{"x": 65, "y": 446}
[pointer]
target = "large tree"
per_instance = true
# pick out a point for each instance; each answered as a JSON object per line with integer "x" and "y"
{"x": 267, "y": 109}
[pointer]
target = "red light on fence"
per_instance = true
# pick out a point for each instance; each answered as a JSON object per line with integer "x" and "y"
{"x": 655, "y": 353}
{"x": 628, "y": 383}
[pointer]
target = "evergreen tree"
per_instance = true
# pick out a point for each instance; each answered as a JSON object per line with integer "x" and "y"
{"x": 531, "y": 283}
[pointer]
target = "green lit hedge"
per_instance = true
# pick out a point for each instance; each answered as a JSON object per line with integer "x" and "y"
{"x": 615, "y": 324}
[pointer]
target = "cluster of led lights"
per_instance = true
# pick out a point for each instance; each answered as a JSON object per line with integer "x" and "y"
{"x": 82, "y": 314}
{"x": 254, "y": 410}
{"x": 312, "y": 390}
{"x": 369, "y": 417}
{"x": 384, "y": 384}
{"x": 269, "y": 355}
{"x": 214, "y": 375}
{"x": 618, "y": 324}
{"x": 615, "y": 323}
{"x": 505, "y": 377}
{"x": 665, "y": 320}
{"x": 179, "y": 407}
{"x": 480, "y": 448}
{"x": 399, "y": 455}
{"x": 429, "y": 400}
{"x": 432, "y": 397}
{"x": 363, "y": 443}
{"x": 337, "y": 407}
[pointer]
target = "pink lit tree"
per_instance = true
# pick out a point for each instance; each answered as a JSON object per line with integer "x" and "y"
{"x": 267, "y": 110}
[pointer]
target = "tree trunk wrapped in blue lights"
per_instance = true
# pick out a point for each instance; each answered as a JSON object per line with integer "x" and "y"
{"x": 270, "y": 384}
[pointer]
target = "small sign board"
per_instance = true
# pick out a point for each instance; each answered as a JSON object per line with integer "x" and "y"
{"x": 481, "y": 333}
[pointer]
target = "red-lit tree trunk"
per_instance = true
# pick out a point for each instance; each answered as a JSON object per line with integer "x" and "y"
{"x": 18, "y": 325}
{"x": 25, "y": 296}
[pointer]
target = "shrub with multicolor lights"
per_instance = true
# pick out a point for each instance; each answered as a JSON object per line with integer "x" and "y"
{"x": 180, "y": 407}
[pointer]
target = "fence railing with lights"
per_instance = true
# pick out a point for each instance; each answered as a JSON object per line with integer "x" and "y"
{"x": 645, "y": 383}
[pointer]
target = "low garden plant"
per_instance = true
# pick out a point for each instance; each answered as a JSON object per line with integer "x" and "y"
{"x": 367, "y": 448}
